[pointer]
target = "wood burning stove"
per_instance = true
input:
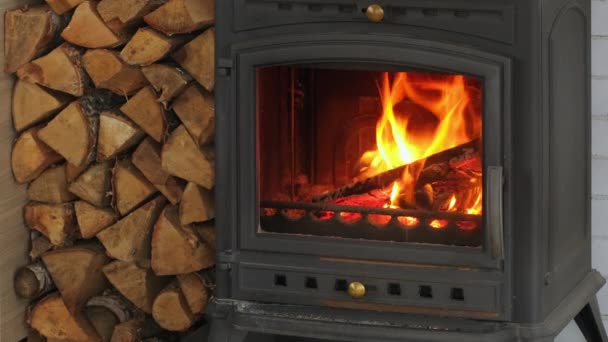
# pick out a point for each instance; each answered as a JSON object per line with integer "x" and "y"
{"x": 411, "y": 170}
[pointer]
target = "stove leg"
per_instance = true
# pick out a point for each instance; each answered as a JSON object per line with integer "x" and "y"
{"x": 222, "y": 330}
{"x": 589, "y": 320}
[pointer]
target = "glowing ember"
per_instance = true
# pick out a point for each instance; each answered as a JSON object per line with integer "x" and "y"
{"x": 350, "y": 217}
{"x": 408, "y": 221}
{"x": 379, "y": 220}
{"x": 438, "y": 224}
{"x": 400, "y": 140}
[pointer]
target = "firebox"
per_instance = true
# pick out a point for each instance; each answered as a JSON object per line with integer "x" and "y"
{"x": 407, "y": 170}
{"x": 377, "y": 155}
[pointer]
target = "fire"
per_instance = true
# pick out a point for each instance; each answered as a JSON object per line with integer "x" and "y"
{"x": 401, "y": 140}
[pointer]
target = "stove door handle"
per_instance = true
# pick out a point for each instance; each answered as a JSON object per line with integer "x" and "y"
{"x": 494, "y": 203}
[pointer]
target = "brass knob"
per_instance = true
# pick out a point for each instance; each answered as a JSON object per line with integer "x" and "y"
{"x": 375, "y": 13}
{"x": 356, "y": 290}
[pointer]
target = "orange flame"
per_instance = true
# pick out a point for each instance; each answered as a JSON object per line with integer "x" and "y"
{"x": 400, "y": 142}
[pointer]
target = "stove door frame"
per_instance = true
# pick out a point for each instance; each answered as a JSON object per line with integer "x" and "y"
{"x": 236, "y": 189}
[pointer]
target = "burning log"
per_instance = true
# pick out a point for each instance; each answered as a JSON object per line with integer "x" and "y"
{"x": 434, "y": 168}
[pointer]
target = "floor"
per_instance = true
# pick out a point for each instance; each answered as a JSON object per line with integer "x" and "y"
{"x": 570, "y": 334}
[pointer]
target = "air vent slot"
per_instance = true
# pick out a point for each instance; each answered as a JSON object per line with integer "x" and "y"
{"x": 430, "y": 12}
{"x": 394, "y": 289}
{"x": 311, "y": 283}
{"x": 284, "y": 6}
{"x": 425, "y": 291}
{"x": 346, "y": 8}
{"x": 315, "y": 8}
{"x": 341, "y": 285}
{"x": 457, "y": 294}
{"x": 280, "y": 280}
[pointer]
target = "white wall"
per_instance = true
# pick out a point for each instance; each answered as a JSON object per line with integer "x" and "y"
{"x": 600, "y": 143}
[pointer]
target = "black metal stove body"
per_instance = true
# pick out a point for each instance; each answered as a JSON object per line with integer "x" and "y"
{"x": 531, "y": 271}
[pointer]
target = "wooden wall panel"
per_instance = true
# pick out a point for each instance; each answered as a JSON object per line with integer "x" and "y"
{"x": 13, "y": 234}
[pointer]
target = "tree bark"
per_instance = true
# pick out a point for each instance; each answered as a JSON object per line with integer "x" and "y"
{"x": 33, "y": 281}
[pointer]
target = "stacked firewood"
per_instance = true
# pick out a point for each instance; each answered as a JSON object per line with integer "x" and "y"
{"x": 114, "y": 114}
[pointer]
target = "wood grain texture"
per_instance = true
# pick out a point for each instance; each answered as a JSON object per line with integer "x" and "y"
{"x": 13, "y": 234}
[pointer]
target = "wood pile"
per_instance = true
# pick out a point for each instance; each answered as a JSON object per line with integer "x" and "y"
{"x": 114, "y": 116}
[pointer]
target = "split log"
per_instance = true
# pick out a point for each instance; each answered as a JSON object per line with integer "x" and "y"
{"x": 147, "y": 159}
{"x": 33, "y": 104}
{"x": 130, "y": 187}
{"x": 116, "y": 134}
{"x": 148, "y": 46}
{"x": 106, "y": 312}
{"x": 167, "y": 80}
{"x": 177, "y": 249}
{"x": 50, "y": 187}
{"x": 62, "y": 6}
{"x": 40, "y": 244}
{"x": 72, "y": 134}
{"x": 197, "y": 205}
{"x": 51, "y": 318}
{"x": 207, "y": 232}
{"x": 88, "y": 30}
{"x": 195, "y": 108}
{"x": 28, "y": 33}
{"x": 77, "y": 273}
{"x": 55, "y": 221}
{"x": 34, "y": 336}
{"x": 121, "y": 14}
{"x": 182, "y": 157}
{"x": 60, "y": 70}
{"x": 147, "y": 112}
{"x": 72, "y": 172}
{"x": 171, "y": 310}
{"x": 182, "y": 16}
{"x": 94, "y": 185}
{"x": 30, "y": 156}
{"x": 198, "y": 58}
{"x": 129, "y": 238}
{"x": 92, "y": 220}
{"x": 108, "y": 71}
{"x": 138, "y": 284}
{"x": 128, "y": 331}
{"x": 33, "y": 281}
{"x": 430, "y": 167}
{"x": 195, "y": 292}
